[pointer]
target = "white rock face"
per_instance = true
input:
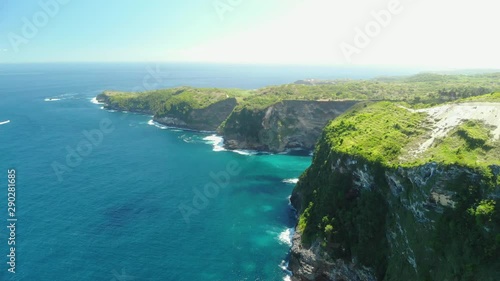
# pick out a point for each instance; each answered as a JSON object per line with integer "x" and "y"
{"x": 449, "y": 116}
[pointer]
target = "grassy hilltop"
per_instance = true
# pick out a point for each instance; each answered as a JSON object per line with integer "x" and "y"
{"x": 411, "y": 193}
{"x": 424, "y": 89}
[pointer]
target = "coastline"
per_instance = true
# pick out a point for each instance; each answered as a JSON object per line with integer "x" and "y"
{"x": 221, "y": 146}
{"x": 217, "y": 141}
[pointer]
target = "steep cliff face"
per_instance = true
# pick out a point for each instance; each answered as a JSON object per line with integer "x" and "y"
{"x": 395, "y": 224}
{"x": 366, "y": 216}
{"x": 290, "y": 124}
{"x": 285, "y": 125}
{"x": 203, "y": 119}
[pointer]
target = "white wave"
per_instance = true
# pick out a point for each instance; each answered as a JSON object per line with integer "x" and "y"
{"x": 157, "y": 125}
{"x": 246, "y": 152}
{"x": 4, "y": 122}
{"x": 216, "y": 141}
{"x": 111, "y": 110}
{"x": 52, "y": 99}
{"x": 286, "y": 236}
{"x": 284, "y": 267}
{"x": 291, "y": 181}
{"x": 95, "y": 101}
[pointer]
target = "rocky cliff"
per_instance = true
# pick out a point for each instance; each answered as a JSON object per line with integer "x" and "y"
{"x": 289, "y": 116}
{"x": 374, "y": 206}
{"x": 290, "y": 124}
{"x": 204, "y": 119}
{"x": 187, "y": 108}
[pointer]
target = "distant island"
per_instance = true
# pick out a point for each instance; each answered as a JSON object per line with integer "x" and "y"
{"x": 405, "y": 179}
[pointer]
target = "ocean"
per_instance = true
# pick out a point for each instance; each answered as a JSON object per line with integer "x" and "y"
{"x": 102, "y": 195}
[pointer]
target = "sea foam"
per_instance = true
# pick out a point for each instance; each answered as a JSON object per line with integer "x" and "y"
{"x": 52, "y": 99}
{"x": 157, "y": 125}
{"x": 95, "y": 101}
{"x": 284, "y": 267}
{"x": 216, "y": 141}
{"x": 246, "y": 152}
{"x": 286, "y": 236}
{"x": 291, "y": 181}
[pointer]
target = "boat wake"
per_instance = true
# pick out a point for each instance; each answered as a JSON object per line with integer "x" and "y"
{"x": 4, "y": 122}
{"x": 64, "y": 97}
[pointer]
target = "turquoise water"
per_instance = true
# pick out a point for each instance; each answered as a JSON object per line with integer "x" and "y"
{"x": 115, "y": 213}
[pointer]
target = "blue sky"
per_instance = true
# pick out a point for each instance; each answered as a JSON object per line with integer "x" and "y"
{"x": 445, "y": 34}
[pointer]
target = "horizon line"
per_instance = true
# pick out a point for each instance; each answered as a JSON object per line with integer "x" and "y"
{"x": 420, "y": 68}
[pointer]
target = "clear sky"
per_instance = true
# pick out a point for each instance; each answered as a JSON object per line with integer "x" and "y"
{"x": 444, "y": 34}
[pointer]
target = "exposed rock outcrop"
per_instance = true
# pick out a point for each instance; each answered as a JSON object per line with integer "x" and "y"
{"x": 204, "y": 119}
{"x": 313, "y": 263}
{"x": 290, "y": 124}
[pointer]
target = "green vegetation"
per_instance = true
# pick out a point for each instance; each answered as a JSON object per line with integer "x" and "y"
{"x": 175, "y": 101}
{"x": 376, "y": 132}
{"x": 350, "y": 206}
{"x": 470, "y": 144}
{"x": 493, "y": 97}
{"x": 466, "y": 238}
{"x": 383, "y": 133}
{"x": 422, "y": 90}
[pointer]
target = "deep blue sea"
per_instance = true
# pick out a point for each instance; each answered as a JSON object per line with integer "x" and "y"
{"x": 139, "y": 201}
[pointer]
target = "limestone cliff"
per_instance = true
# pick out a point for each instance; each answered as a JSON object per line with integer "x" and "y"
{"x": 372, "y": 209}
{"x": 178, "y": 108}
{"x": 289, "y": 124}
{"x": 203, "y": 119}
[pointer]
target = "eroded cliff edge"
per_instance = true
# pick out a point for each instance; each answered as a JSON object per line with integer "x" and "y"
{"x": 290, "y": 124}
{"x": 277, "y": 127}
{"x": 375, "y": 205}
